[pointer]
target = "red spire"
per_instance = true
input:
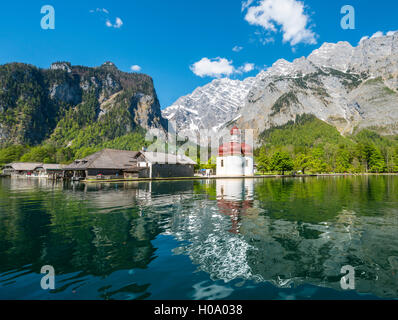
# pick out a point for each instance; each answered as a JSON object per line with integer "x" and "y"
{"x": 235, "y": 131}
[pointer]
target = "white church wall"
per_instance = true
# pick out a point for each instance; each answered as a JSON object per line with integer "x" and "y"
{"x": 232, "y": 166}
{"x": 221, "y": 166}
{"x": 249, "y": 166}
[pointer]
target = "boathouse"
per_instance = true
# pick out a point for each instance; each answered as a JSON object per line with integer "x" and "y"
{"x": 31, "y": 169}
{"x": 120, "y": 164}
{"x": 164, "y": 165}
{"x": 51, "y": 171}
{"x": 107, "y": 163}
{"x": 21, "y": 169}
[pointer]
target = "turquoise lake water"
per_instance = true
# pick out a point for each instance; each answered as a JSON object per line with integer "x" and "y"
{"x": 219, "y": 239}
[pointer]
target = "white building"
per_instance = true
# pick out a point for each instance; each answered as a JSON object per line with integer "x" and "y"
{"x": 235, "y": 158}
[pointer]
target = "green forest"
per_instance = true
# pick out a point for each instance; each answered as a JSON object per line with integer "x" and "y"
{"x": 49, "y": 153}
{"x": 306, "y": 146}
{"x": 310, "y": 145}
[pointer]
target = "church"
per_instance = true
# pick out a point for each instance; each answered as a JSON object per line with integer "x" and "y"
{"x": 235, "y": 158}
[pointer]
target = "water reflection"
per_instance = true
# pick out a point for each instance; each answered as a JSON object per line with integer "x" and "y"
{"x": 235, "y": 199}
{"x": 121, "y": 241}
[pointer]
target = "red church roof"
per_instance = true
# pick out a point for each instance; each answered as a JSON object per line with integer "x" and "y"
{"x": 235, "y": 148}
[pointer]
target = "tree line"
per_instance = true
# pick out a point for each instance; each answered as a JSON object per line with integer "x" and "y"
{"x": 360, "y": 158}
{"x": 309, "y": 145}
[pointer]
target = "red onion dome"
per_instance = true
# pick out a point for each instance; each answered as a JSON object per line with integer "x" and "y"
{"x": 247, "y": 150}
{"x": 230, "y": 149}
{"x": 234, "y": 149}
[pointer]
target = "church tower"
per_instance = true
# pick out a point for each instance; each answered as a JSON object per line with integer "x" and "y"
{"x": 235, "y": 159}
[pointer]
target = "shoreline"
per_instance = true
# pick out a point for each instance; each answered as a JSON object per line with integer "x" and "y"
{"x": 273, "y": 176}
{"x": 238, "y": 177}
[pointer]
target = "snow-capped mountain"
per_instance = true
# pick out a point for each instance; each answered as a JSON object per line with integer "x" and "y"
{"x": 348, "y": 87}
{"x": 210, "y": 106}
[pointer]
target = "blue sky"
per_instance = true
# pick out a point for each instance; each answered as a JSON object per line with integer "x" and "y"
{"x": 172, "y": 40}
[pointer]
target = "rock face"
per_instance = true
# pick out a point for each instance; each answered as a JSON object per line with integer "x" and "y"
{"x": 209, "y": 107}
{"x": 34, "y": 101}
{"x": 348, "y": 87}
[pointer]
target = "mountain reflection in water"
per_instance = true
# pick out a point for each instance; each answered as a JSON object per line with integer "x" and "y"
{"x": 263, "y": 238}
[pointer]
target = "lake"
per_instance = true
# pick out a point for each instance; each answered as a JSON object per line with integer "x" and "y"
{"x": 211, "y": 239}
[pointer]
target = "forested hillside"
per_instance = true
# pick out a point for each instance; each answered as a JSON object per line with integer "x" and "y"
{"x": 58, "y": 114}
{"x": 310, "y": 145}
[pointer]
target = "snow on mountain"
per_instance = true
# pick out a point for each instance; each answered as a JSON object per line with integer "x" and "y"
{"x": 348, "y": 87}
{"x": 210, "y": 106}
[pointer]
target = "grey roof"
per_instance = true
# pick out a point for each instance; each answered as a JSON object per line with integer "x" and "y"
{"x": 159, "y": 157}
{"x": 53, "y": 166}
{"x": 24, "y": 166}
{"x": 106, "y": 159}
{"x": 122, "y": 160}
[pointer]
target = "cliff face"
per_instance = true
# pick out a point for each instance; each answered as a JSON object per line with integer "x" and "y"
{"x": 66, "y": 101}
{"x": 349, "y": 87}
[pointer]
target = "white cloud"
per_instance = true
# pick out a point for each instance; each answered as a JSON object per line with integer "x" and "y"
{"x": 136, "y": 68}
{"x": 267, "y": 40}
{"x": 247, "y": 67}
{"x": 246, "y": 4}
{"x": 102, "y": 10}
{"x": 237, "y": 49}
{"x": 105, "y": 14}
{"x": 218, "y": 67}
{"x": 390, "y": 33}
{"x": 118, "y": 23}
{"x": 213, "y": 68}
{"x": 286, "y": 15}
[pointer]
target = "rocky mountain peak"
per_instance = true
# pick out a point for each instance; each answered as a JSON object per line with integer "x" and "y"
{"x": 333, "y": 55}
{"x": 208, "y": 107}
{"x": 348, "y": 87}
{"x": 109, "y": 64}
{"x": 64, "y": 66}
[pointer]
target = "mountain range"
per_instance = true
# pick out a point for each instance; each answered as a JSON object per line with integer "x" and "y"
{"x": 351, "y": 88}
